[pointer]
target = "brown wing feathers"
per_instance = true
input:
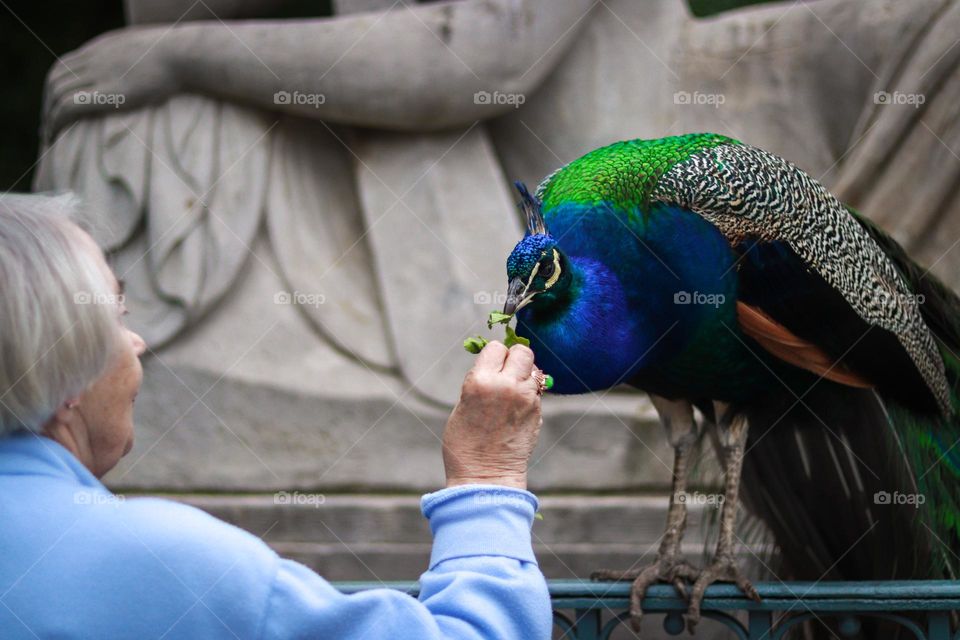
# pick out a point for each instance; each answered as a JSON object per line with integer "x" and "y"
{"x": 784, "y": 344}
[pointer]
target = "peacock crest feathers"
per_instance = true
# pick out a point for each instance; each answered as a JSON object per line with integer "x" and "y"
{"x": 531, "y": 207}
{"x": 527, "y": 253}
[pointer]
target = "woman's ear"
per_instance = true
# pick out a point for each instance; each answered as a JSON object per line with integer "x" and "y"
{"x": 64, "y": 412}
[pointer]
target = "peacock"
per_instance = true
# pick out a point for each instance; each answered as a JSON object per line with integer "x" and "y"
{"x": 714, "y": 275}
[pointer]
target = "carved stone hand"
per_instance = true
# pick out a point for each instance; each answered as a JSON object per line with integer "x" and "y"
{"x": 121, "y": 69}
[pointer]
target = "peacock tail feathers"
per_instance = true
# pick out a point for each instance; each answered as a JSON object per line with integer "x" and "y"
{"x": 931, "y": 444}
{"x": 866, "y": 451}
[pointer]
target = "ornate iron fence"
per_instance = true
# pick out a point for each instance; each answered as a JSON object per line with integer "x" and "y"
{"x": 584, "y": 610}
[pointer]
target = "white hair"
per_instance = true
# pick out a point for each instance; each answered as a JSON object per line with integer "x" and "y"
{"x": 59, "y": 321}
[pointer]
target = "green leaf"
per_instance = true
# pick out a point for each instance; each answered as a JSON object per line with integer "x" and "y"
{"x": 475, "y": 344}
{"x": 512, "y": 338}
{"x": 497, "y": 317}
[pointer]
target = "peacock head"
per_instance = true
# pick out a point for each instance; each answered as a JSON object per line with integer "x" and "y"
{"x": 538, "y": 271}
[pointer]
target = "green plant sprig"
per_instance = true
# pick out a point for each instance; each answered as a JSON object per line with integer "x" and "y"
{"x": 476, "y": 344}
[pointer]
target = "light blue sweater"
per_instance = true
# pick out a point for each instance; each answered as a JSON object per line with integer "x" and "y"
{"x": 78, "y": 562}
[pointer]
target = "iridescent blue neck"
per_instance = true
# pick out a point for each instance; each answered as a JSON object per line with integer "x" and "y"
{"x": 591, "y": 340}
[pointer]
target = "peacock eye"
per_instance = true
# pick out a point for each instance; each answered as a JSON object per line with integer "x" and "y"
{"x": 546, "y": 269}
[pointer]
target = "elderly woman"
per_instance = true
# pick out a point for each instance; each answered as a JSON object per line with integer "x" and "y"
{"x": 75, "y": 562}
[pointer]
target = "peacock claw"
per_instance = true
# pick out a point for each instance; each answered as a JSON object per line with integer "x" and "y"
{"x": 722, "y": 569}
{"x": 671, "y": 569}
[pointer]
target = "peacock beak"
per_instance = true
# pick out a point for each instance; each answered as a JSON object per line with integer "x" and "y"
{"x": 517, "y": 296}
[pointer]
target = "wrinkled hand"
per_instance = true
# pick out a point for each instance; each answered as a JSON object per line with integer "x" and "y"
{"x": 120, "y": 69}
{"x": 494, "y": 428}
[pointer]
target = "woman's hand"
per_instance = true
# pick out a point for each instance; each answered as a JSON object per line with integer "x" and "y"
{"x": 494, "y": 428}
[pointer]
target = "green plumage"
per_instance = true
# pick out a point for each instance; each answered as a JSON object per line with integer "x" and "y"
{"x": 624, "y": 173}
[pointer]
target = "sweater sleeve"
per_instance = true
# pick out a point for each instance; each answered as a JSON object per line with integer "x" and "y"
{"x": 483, "y": 581}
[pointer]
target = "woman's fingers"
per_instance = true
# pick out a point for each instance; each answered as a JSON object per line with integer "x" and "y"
{"x": 491, "y": 357}
{"x": 519, "y": 362}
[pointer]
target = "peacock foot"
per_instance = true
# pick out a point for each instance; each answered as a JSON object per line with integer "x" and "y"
{"x": 723, "y": 569}
{"x": 669, "y": 568}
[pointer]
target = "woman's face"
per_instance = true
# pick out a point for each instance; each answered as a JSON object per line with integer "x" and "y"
{"x": 106, "y": 407}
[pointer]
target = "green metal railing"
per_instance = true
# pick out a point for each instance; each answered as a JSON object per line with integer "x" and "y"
{"x": 584, "y": 610}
